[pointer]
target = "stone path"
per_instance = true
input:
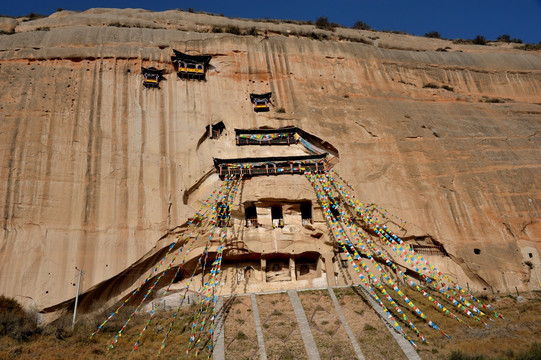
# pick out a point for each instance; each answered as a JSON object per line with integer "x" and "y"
{"x": 259, "y": 331}
{"x": 354, "y": 342}
{"x": 219, "y": 346}
{"x": 306, "y": 333}
{"x": 404, "y": 344}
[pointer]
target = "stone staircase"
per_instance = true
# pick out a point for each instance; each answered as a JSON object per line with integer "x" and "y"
{"x": 306, "y": 327}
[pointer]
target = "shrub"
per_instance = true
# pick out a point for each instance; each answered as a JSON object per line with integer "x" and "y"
{"x": 369, "y": 327}
{"x": 322, "y": 22}
{"x": 34, "y": 16}
{"x": 319, "y": 36}
{"x": 361, "y": 25}
{"x": 281, "y": 110}
{"x": 480, "y": 40}
{"x": 533, "y": 353}
{"x": 459, "y": 355}
{"x": 493, "y": 100}
{"x": 504, "y": 38}
{"x": 447, "y": 87}
{"x": 14, "y": 321}
{"x": 433, "y": 34}
{"x": 232, "y": 29}
{"x": 530, "y": 47}
{"x": 430, "y": 86}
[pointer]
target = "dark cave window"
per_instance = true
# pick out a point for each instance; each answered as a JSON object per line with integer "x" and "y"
{"x": 530, "y": 255}
{"x": 178, "y": 277}
{"x": 250, "y": 212}
{"x": 277, "y": 217}
{"x": 476, "y": 251}
{"x": 306, "y": 212}
{"x": 304, "y": 269}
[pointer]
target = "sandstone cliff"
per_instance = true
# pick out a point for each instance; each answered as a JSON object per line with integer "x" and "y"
{"x": 94, "y": 167}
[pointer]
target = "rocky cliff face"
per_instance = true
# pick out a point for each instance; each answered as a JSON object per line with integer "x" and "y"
{"x": 94, "y": 167}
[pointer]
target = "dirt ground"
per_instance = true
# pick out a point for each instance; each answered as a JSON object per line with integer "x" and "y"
{"x": 503, "y": 340}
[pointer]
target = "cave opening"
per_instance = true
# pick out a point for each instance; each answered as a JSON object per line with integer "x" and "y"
{"x": 277, "y": 216}
{"x": 250, "y": 213}
{"x": 306, "y": 212}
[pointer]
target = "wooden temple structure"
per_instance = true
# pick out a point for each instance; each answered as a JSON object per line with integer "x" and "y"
{"x": 152, "y": 77}
{"x": 279, "y": 165}
{"x": 282, "y": 136}
{"x": 190, "y": 66}
{"x": 261, "y": 101}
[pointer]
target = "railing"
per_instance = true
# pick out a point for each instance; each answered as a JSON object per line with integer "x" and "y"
{"x": 252, "y": 222}
{"x": 285, "y": 140}
{"x": 429, "y": 249}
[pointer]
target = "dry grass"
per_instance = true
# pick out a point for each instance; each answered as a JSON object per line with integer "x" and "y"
{"x": 374, "y": 339}
{"x": 472, "y": 337}
{"x": 240, "y": 335}
{"x": 330, "y": 336}
{"x": 469, "y": 340}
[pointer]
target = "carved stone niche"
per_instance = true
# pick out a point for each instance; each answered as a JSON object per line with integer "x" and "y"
{"x": 277, "y": 269}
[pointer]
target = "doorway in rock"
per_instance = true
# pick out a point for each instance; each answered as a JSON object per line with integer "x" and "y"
{"x": 250, "y": 213}
{"x": 306, "y": 212}
{"x": 278, "y": 270}
{"x": 306, "y": 266}
{"x": 277, "y": 216}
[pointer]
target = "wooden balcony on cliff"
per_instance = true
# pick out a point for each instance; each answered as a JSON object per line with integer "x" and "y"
{"x": 271, "y": 165}
{"x": 151, "y": 77}
{"x": 283, "y": 136}
{"x": 437, "y": 250}
{"x": 261, "y": 101}
{"x": 191, "y": 66}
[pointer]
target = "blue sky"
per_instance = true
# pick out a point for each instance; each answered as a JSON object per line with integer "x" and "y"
{"x": 452, "y": 18}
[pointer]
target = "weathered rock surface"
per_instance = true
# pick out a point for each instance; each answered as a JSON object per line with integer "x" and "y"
{"x": 93, "y": 167}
